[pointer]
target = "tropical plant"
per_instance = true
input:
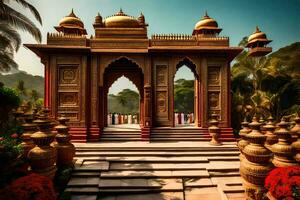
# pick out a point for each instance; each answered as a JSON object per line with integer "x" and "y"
{"x": 265, "y": 85}
{"x": 184, "y": 96}
{"x": 10, "y": 20}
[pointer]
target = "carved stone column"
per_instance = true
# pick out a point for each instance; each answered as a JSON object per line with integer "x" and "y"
{"x": 65, "y": 150}
{"x": 43, "y": 156}
{"x": 283, "y": 151}
{"x": 29, "y": 128}
{"x": 271, "y": 137}
{"x": 243, "y": 141}
{"x": 257, "y": 164}
{"x": 214, "y": 130}
{"x": 145, "y": 131}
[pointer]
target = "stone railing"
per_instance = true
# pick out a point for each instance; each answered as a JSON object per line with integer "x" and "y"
{"x": 172, "y": 37}
{"x": 66, "y": 39}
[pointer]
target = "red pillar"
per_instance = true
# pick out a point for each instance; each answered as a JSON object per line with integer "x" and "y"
{"x": 145, "y": 130}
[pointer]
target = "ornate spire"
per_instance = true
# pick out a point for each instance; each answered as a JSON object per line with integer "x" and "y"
{"x": 72, "y": 14}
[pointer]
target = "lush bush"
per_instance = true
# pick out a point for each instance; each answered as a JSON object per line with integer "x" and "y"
{"x": 284, "y": 183}
{"x": 30, "y": 187}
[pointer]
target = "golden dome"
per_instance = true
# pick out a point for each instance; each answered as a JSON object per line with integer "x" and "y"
{"x": 121, "y": 20}
{"x": 206, "y": 23}
{"x": 258, "y": 35}
{"x": 71, "y": 21}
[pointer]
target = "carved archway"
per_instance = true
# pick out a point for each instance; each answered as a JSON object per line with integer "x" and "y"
{"x": 186, "y": 61}
{"x": 116, "y": 69}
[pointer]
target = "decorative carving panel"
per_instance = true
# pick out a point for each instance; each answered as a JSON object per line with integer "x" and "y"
{"x": 68, "y": 99}
{"x": 161, "y": 104}
{"x": 68, "y": 74}
{"x": 161, "y": 74}
{"x": 73, "y": 116}
{"x": 213, "y": 76}
{"x": 214, "y": 100}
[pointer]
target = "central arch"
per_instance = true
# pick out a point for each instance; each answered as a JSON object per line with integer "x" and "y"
{"x": 187, "y": 62}
{"x": 129, "y": 69}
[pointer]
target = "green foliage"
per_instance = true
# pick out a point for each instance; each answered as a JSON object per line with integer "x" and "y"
{"x": 184, "y": 96}
{"x": 268, "y": 85}
{"x": 10, "y": 40}
{"x": 30, "y": 82}
{"x": 125, "y": 102}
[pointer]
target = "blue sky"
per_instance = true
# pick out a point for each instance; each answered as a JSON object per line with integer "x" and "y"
{"x": 280, "y": 19}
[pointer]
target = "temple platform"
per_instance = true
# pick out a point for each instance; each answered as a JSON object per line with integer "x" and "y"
{"x": 156, "y": 170}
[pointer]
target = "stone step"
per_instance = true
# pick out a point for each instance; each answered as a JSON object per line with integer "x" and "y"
{"x": 112, "y": 139}
{"x": 144, "y": 146}
{"x": 144, "y": 196}
{"x": 158, "y": 184}
{"x": 120, "y": 136}
{"x": 170, "y": 159}
{"x": 187, "y": 135}
{"x": 82, "y": 190}
{"x": 157, "y": 153}
{"x": 85, "y": 197}
{"x": 209, "y": 193}
{"x": 154, "y": 174}
{"x": 118, "y": 166}
{"x": 224, "y": 174}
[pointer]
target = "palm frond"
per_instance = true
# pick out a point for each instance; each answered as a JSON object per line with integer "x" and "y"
{"x": 32, "y": 9}
{"x": 18, "y": 20}
{"x": 11, "y": 35}
{"x": 7, "y": 62}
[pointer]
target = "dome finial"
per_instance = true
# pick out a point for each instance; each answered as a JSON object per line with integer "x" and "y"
{"x": 72, "y": 14}
{"x": 206, "y": 15}
{"x": 257, "y": 29}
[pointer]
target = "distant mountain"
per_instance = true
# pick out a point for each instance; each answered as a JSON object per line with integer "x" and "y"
{"x": 289, "y": 55}
{"x": 30, "y": 81}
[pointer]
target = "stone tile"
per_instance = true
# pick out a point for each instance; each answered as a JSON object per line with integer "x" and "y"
{"x": 93, "y": 165}
{"x": 236, "y": 196}
{"x": 192, "y": 173}
{"x": 156, "y": 166}
{"x": 200, "y": 182}
{"x": 83, "y": 197}
{"x": 83, "y": 181}
{"x": 203, "y": 193}
{"x": 155, "y": 196}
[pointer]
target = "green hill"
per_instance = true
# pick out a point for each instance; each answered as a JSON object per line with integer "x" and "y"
{"x": 289, "y": 55}
{"x": 30, "y": 81}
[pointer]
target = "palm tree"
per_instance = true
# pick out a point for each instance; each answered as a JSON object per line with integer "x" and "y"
{"x": 10, "y": 20}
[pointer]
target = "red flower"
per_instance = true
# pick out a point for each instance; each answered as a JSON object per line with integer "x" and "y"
{"x": 1, "y": 139}
{"x": 282, "y": 181}
{"x": 15, "y": 135}
{"x": 30, "y": 187}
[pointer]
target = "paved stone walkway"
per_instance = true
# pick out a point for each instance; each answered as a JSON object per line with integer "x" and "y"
{"x": 156, "y": 171}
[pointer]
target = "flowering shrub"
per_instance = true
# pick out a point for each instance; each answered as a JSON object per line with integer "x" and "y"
{"x": 30, "y": 187}
{"x": 284, "y": 183}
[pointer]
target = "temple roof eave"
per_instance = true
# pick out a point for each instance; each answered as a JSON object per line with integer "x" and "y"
{"x": 41, "y": 49}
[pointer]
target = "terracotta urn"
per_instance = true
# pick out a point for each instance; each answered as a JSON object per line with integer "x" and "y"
{"x": 43, "y": 157}
{"x": 214, "y": 131}
{"x": 243, "y": 141}
{"x": 269, "y": 133}
{"x": 29, "y": 128}
{"x": 283, "y": 150}
{"x": 256, "y": 165}
{"x": 296, "y": 129}
{"x": 65, "y": 149}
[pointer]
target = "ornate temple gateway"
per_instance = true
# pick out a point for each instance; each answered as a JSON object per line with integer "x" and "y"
{"x": 79, "y": 71}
